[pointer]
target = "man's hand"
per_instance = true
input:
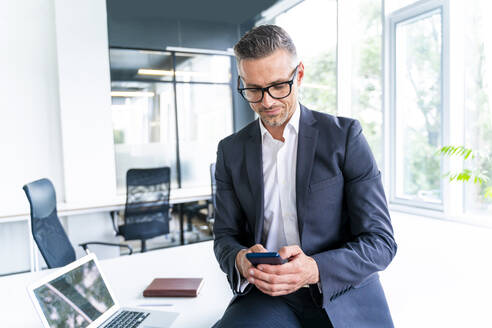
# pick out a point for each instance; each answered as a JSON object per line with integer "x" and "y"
{"x": 276, "y": 280}
{"x": 242, "y": 262}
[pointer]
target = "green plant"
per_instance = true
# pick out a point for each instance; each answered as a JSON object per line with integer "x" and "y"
{"x": 474, "y": 174}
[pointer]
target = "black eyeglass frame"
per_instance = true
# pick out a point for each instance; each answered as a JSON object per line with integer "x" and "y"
{"x": 267, "y": 89}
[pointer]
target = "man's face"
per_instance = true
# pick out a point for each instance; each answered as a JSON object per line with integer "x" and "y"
{"x": 263, "y": 72}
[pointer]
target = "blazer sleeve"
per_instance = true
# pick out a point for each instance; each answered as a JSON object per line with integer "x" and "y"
{"x": 371, "y": 246}
{"x": 228, "y": 224}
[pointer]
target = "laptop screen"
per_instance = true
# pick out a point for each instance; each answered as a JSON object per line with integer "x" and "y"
{"x": 76, "y": 298}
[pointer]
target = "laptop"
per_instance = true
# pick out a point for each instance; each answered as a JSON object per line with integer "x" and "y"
{"x": 77, "y": 295}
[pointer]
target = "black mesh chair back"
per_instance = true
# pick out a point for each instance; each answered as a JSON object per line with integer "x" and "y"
{"x": 147, "y": 204}
{"x": 47, "y": 231}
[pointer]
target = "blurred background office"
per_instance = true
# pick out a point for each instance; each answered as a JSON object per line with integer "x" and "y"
{"x": 94, "y": 89}
{"x": 91, "y": 89}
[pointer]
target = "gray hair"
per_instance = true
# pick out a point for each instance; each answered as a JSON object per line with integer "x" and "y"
{"x": 262, "y": 41}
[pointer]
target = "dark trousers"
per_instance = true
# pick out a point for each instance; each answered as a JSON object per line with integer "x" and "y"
{"x": 255, "y": 309}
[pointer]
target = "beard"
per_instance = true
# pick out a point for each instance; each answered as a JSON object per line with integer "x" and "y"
{"x": 274, "y": 121}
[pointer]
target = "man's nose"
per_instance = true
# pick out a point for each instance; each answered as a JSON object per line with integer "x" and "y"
{"x": 267, "y": 100}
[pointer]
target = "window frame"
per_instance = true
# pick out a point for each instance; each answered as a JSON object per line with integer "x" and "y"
{"x": 411, "y": 12}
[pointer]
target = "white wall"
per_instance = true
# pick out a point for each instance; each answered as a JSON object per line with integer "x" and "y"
{"x": 55, "y": 118}
{"x": 85, "y": 102}
{"x": 30, "y": 140}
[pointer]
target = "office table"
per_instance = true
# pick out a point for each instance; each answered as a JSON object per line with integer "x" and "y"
{"x": 128, "y": 276}
{"x": 117, "y": 203}
{"x": 177, "y": 197}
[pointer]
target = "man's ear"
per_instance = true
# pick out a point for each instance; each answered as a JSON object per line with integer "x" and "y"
{"x": 300, "y": 74}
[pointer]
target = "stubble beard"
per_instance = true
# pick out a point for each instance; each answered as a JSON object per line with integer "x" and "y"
{"x": 276, "y": 121}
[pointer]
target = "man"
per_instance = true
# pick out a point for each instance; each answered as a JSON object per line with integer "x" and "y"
{"x": 304, "y": 184}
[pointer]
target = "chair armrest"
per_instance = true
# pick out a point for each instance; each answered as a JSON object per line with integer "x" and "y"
{"x": 84, "y": 245}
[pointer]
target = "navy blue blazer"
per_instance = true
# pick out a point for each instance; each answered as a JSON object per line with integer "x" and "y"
{"x": 342, "y": 213}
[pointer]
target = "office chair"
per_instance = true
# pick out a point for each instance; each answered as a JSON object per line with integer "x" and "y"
{"x": 194, "y": 209}
{"x": 47, "y": 231}
{"x": 191, "y": 210}
{"x": 147, "y": 205}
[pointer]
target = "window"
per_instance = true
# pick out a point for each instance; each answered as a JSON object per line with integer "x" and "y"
{"x": 169, "y": 109}
{"x": 391, "y": 6}
{"x": 477, "y": 91}
{"x": 316, "y": 18}
{"x": 437, "y": 86}
{"x": 350, "y": 85}
{"x": 359, "y": 68}
{"x": 416, "y": 106}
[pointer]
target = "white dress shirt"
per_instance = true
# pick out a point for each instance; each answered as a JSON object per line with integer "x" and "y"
{"x": 279, "y": 182}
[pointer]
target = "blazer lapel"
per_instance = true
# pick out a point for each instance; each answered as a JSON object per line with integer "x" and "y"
{"x": 254, "y": 166}
{"x": 306, "y": 147}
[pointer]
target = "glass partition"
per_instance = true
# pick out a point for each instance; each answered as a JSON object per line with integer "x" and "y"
{"x": 204, "y": 118}
{"x": 146, "y": 120}
{"x": 131, "y": 65}
{"x": 202, "y": 68}
{"x": 143, "y": 128}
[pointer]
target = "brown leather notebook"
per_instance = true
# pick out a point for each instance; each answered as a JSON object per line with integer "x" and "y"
{"x": 174, "y": 287}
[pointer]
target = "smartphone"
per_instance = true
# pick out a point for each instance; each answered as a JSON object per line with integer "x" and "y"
{"x": 265, "y": 258}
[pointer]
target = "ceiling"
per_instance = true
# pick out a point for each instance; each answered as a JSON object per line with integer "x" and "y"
{"x": 225, "y": 11}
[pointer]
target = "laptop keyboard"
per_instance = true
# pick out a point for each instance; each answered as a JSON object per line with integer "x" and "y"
{"x": 127, "y": 319}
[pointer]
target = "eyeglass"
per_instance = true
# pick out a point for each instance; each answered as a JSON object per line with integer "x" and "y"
{"x": 276, "y": 91}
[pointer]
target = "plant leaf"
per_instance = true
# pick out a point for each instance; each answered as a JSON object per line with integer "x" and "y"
{"x": 460, "y": 151}
{"x": 488, "y": 192}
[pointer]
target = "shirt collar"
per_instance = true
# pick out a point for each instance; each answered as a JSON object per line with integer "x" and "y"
{"x": 293, "y": 122}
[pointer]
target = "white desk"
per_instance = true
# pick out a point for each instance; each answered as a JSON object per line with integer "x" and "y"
{"x": 440, "y": 277}
{"x": 128, "y": 276}
{"x": 177, "y": 196}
